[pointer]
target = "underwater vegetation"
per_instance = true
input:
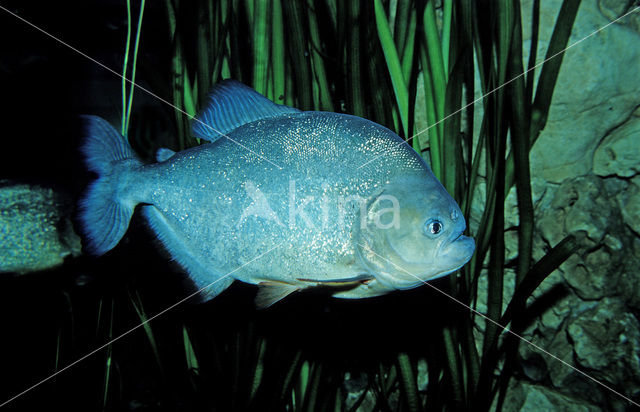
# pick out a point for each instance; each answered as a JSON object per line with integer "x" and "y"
{"x": 414, "y": 66}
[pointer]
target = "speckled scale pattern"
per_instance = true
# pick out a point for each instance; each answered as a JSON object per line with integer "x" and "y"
{"x": 202, "y": 192}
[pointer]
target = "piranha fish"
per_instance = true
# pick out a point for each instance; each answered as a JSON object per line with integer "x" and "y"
{"x": 280, "y": 198}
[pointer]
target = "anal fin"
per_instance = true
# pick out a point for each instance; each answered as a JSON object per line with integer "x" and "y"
{"x": 206, "y": 278}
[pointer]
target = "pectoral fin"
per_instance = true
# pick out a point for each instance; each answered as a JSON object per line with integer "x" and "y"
{"x": 272, "y": 292}
{"x": 340, "y": 283}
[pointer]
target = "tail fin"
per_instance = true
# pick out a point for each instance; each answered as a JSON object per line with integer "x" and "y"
{"x": 105, "y": 211}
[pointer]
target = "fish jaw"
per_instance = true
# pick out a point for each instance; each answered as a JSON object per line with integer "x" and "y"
{"x": 459, "y": 250}
{"x": 408, "y": 275}
{"x": 405, "y": 258}
{"x": 451, "y": 256}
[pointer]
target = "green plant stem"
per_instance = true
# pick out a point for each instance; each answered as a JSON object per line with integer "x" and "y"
{"x": 520, "y": 149}
{"x": 355, "y": 97}
{"x": 446, "y": 33}
{"x": 475, "y": 165}
{"x": 470, "y": 352}
{"x": 401, "y": 31}
{"x": 436, "y": 65}
{"x": 452, "y": 170}
{"x": 497, "y": 253}
{"x": 258, "y": 371}
{"x": 204, "y": 44}
{"x": 278, "y": 63}
{"x": 262, "y": 15}
{"x": 432, "y": 129}
{"x": 486, "y": 222}
{"x": 551, "y": 69}
{"x": 380, "y": 96}
{"x": 539, "y": 272}
{"x": 393, "y": 65}
{"x": 408, "y": 381}
{"x": 250, "y": 6}
{"x": 533, "y": 50}
{"x": 311, "y": 398}
{"x": 190, "y": 355}
{"x": 123, "y": 123}
{"x": 144, "y": 321}
{"x": 178, "y": 73}
{"x": 291, "y": 370}
{"x": 189, "y": 94}
{"x": 296, "y": 23}
{"x": 133, "y": 68}
{"x": 109, "y": 360}
{"x": 453, "y": 367}
{"x": 319, "y": 74}
{"x": 225, "y": 7}
{"x": 409, "y": 50}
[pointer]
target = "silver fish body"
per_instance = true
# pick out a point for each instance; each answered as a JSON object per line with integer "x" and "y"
{"x": 292, "y": 201}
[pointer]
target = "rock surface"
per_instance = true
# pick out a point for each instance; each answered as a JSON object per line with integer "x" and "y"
{"x": 596, "y": 91}
{"x": 35, "y": 228}
{"x": 585, "y": 170}
{"x": 613, "y": 9}
{"x": 619, "y": 153}
{"x": 629, "y": 202}
{"x": 606, "y": 340}
{"x": 526, "y": 397}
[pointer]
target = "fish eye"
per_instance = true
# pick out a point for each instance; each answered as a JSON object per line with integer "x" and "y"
{"x": 433, "y": 227}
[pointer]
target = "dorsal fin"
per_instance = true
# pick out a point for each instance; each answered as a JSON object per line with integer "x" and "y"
{"x": 232, "y": 104}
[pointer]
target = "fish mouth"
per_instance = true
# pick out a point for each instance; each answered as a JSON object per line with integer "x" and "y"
{"x": 460, "y": 248}
{"x": 457, "y": 236}
{"x": 453, "y": 255}
{"x": 457, "y": 252}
